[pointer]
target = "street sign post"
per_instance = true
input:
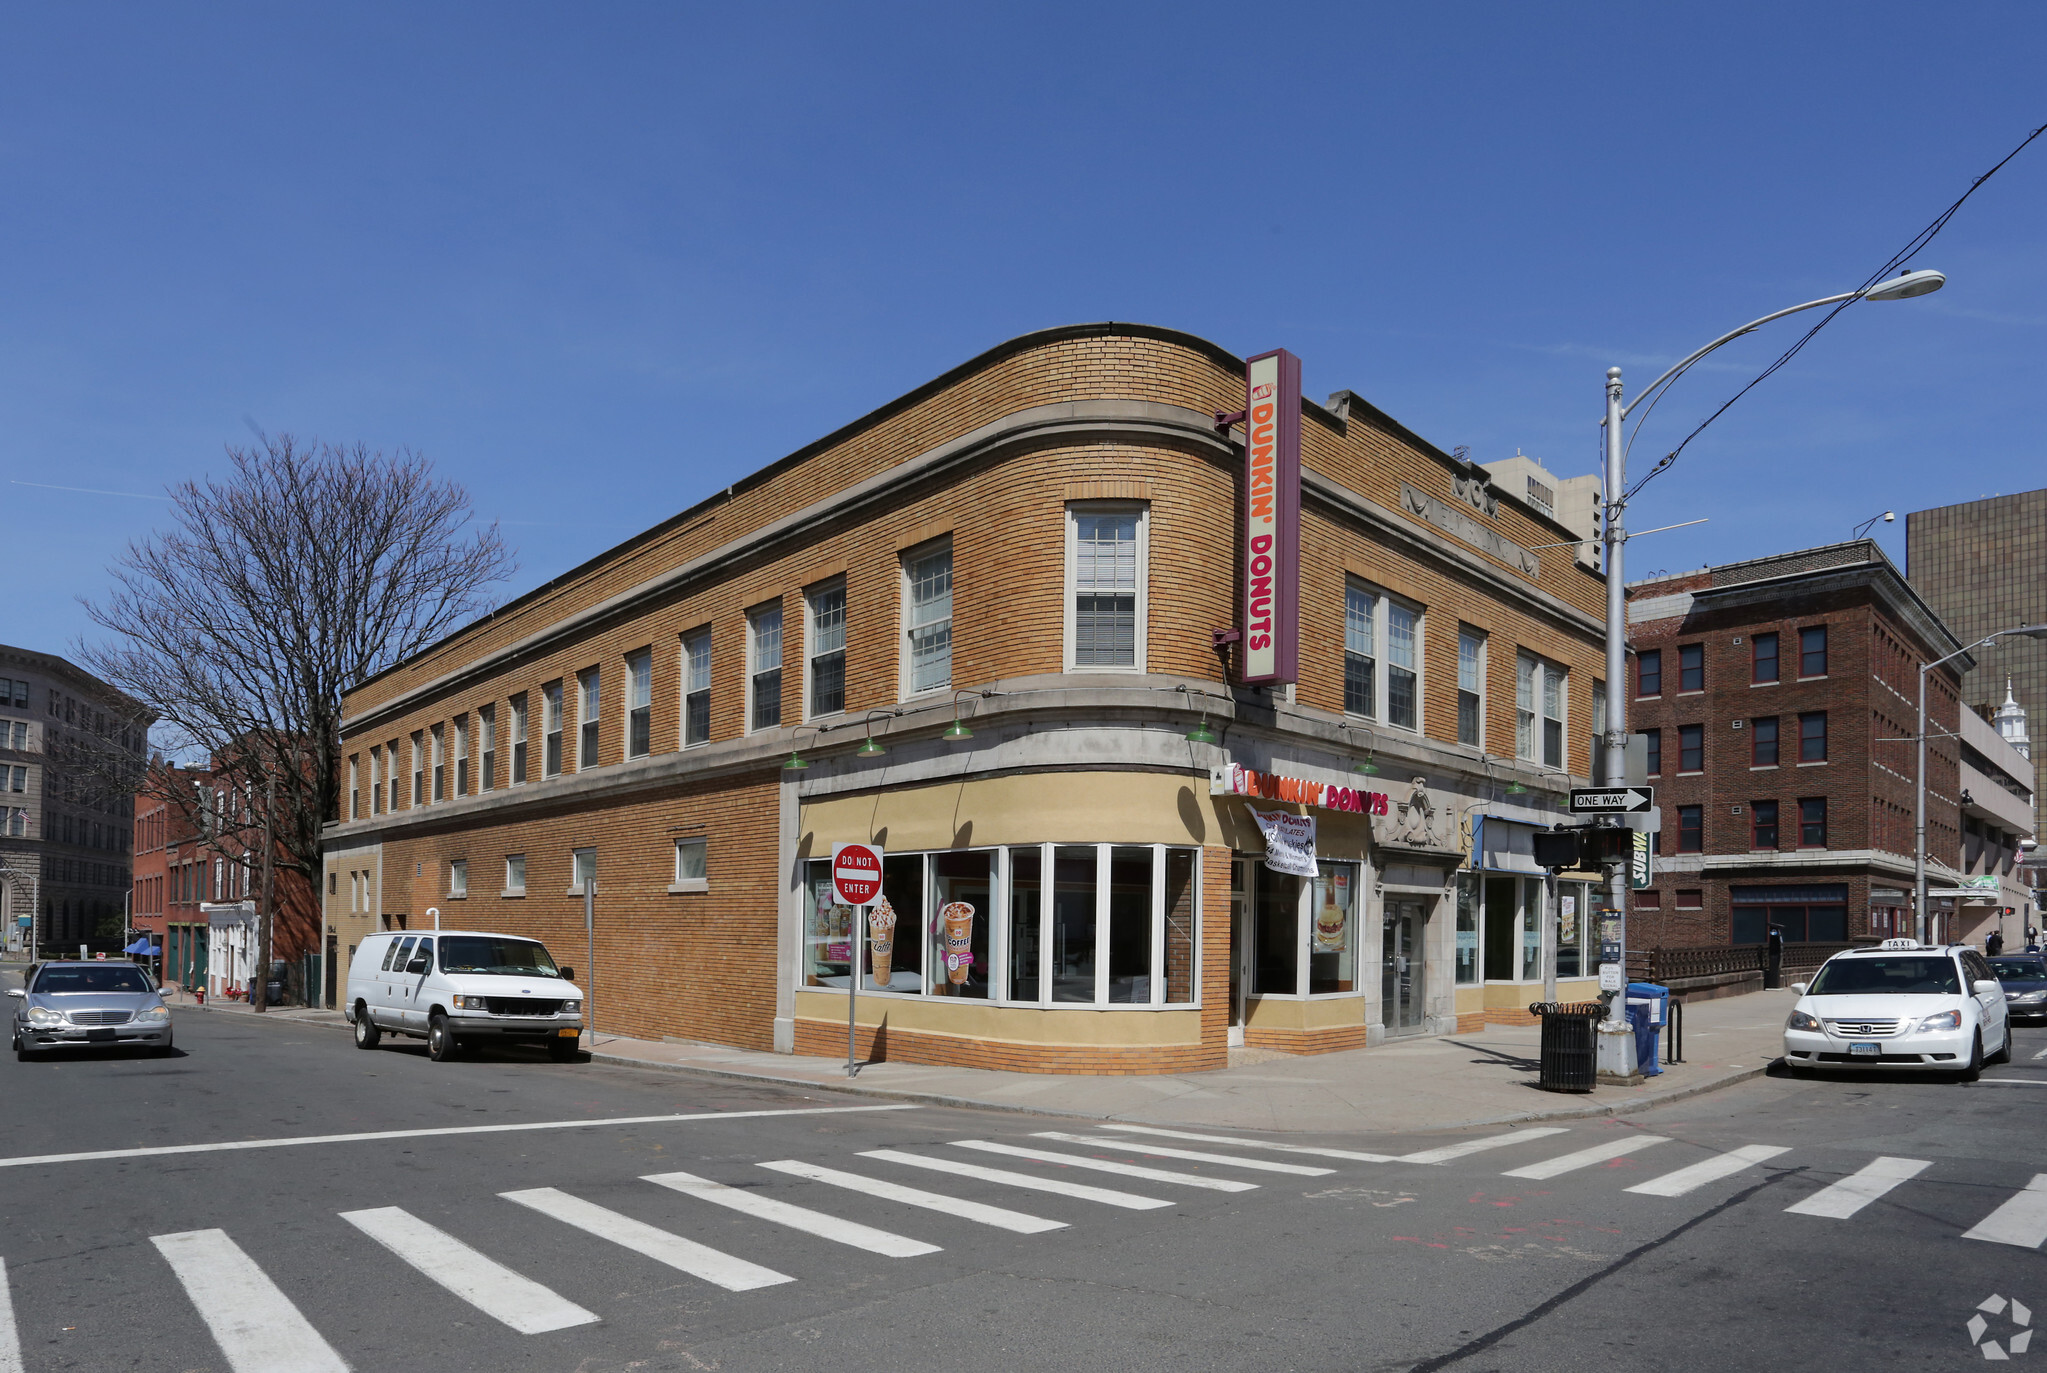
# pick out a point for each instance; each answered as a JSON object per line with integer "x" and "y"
{"x": 856, "y": 882}
{"x": 1611, "y": 800}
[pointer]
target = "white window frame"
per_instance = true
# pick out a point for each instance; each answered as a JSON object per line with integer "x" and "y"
{"x": 1384, "y": 603}
{"x": 1529, "y": 733}
{"x": 461, "y": 755}
{"x": 755, "y": 665}
{"x": 1480, "y": 637}
{"x": 817, "y": 644}
{"x": 519, "y": 746}
{"x": 589, "y": 718}
{"x": 906, "y": 665}
{"x": 701, "y": 881}
{"x": 418, "y": 769}
{"x": 354, "y": 787}
{"x": 694, "y": 682}
{"x": 487, "y": 747}
{"x": 515, "y": 866}
{"x": 551, "y": 727}
{"x": 458, "y": 879}
{"x": 437, "y": 745}
{"x": 581, "y": 861}
{"x": 1074, "y": 511}
{"x": 639, "y": 700}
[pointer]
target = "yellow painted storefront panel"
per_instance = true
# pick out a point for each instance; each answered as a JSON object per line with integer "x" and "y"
{"x": 1270, "y": 1013}
{"x": 1011, "y": 1024}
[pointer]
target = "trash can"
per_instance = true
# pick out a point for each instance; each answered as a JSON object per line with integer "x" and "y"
{"x": 1569, "y": 1053}
{"x": 1648, "y": 1008}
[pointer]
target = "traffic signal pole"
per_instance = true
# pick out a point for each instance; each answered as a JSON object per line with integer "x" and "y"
{"x": 1614, "y": 537}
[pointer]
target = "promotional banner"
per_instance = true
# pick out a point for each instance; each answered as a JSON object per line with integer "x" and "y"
{"x": 1270, "y": 648}
{"x": 1289, "y": 841}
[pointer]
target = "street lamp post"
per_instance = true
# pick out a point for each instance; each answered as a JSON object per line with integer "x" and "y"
{"x": 1919, "y": 915}
{"x": 1904, "y": 286}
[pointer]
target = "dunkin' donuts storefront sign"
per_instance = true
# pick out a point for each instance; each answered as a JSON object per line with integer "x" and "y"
{"x": 1233, "y": 779}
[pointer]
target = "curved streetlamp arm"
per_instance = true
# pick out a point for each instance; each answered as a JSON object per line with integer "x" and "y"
{"x": 1748, "y": 328}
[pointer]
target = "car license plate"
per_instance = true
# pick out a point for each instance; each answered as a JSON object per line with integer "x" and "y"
{"x": 568, "y": 1034}
{"x": 98, "y": 1036}
{"x": 1865, "y": 1050}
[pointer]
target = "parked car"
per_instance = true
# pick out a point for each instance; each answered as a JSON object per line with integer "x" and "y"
{"x": 87, "y": 1005}
{"x": 1900, "y": 1005}
{"x": 2024, "y": 976}
{"x": 457, "y": 987}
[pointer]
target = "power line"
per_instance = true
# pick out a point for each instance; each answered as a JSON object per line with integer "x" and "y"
{"x": 1897, "y": 260}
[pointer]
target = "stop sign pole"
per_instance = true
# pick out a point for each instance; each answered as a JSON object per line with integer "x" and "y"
{"x": 856, "y": 882}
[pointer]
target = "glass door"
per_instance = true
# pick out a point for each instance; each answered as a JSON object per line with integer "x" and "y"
{"x": 1402, "y": 989}
{"x": 1240, "y": 945}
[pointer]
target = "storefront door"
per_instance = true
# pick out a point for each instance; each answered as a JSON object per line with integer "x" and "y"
{"x": 1240, "y": 946}
{"x": 1403, "y": 989}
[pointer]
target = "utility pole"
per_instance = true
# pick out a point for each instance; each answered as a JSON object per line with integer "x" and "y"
{"x": 1615, "y": 537}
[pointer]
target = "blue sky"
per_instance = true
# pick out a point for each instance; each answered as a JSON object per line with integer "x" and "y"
{"x": 597, "y": 261}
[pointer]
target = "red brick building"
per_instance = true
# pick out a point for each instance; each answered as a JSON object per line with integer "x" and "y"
{"x": 1779, "y": 698}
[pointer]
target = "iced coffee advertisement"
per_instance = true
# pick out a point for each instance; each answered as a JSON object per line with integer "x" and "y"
{"x": 956, "y": 940}
{"x": 881, "y": 942}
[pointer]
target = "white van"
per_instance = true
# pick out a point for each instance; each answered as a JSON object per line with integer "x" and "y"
{"x": 451, "y": 987}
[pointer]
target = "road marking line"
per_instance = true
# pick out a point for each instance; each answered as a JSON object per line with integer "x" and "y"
{"x": 164, "y": 1150}
{"x": 255, "y": 1325}
{"x": 1473, "y": 1146}
{"x": 1708, "y": 1170}
{"x": 484, "y": 1283}
{"x": 1263, "y": 1165}
{"x": 2021, "y": 1221}
{"x": 1842, "y": 1199}
{"x": 1351, "y": 1154}
{"x": 698, "y": 1260}
{"x": 10, "y": 1338}
{"x": 1102, "y": 1165}
{"x": 2012, "y": 1081}
{"x": 1585, "y": 1158}
{"x": 2041, "y": 1054}
{"x": 997, "y": 1216}
{"x": 795, "y": 1217}
{"x": 1127, "y": 1200}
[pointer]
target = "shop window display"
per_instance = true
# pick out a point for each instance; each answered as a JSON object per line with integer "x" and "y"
{"x": 1332, "y": 942}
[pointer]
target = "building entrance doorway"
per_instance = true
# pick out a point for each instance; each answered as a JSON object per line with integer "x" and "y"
{"x": 1403, "y": 987}
{"x": 1240, "y": 946}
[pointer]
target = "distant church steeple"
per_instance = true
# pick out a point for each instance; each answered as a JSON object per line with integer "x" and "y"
{"x": 2010, "y": 719}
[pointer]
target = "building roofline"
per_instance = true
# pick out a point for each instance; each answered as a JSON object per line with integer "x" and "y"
{"x": 58, "y": 666}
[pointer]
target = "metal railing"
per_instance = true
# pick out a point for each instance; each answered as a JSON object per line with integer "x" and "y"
{"x": 1661, "y": 965}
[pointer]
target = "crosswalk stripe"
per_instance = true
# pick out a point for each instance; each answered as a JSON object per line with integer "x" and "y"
{"x": 2021, "y": 1221}
{"x": 1585, "y": 1158}
{"x": 1474, "y": 1146}
{"x": 1262, "y": 1165}
{"x": 1844, "y": 1198}
{"x": 1102, "y": 1165}
{"x": 255, "y": 1325}
{"x": 999, "y": 1217}
{"x": 484, "y": 1283}
{"x": 1708, "y": 1170}
{"x": 698, "y": 1260}
{"x": 1127, "y": 1200}
{"x": 1310, "y": 1149}
{"x": 795, "y": 1217}
{"x": 10, "y": 1339}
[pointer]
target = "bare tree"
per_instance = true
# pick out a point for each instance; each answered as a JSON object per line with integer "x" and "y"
{"x": 302, "y": 571}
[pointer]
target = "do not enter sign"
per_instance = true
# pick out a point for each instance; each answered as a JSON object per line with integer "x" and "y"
{"x": 856, "y": 873}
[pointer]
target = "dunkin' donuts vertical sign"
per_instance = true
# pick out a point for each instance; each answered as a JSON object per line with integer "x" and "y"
{"x": 1269, "y": 650}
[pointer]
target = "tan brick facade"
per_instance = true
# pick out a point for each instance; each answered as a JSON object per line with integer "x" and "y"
{"x": 988, "y": 457}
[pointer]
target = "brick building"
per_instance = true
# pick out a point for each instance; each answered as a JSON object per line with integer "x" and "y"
{"x": 984, "y": 619}
{"x": 1779, "y": 697}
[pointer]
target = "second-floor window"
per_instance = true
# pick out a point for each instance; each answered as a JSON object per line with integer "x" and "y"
{"x": 1691, "y": 748}
{"x": 639, "y": 703}
{"x": 1691, "y": 667}
{"x": 590, "y": 711}
{"x": 1654, "y": 749}
{"x": 696, "y": 689}
{"x": 1470, "y": 686}
{"x": 1105, "y": 572}
{"x": 927, "y": 617}
{"x": 1812, "y": 822}
{"x": 1649, "y": 672}
{"x": 418, "y": 769}
{"x": 440, "y": 751}
{"x": 764, "y": 667}
{"x": 1539, "y": 696}
{"x": 1762, "y": 824}
{"x": 462, "y": 755}
{"x": 551, "y": 729}
{"x": 1381, "y": 654}
{"x": 487, "y": 743}
{"x": 1691, "y": 829}
{"x": 824, "y": 644}
{"x": 397, "y": 782}
{"x": 354, "y": 781}
{"x": 1762, "y": 739}
{"x": 519, "y": 739}
{"x": 1763, "y": 658}
{"x": 1812, "y": 651}
{"x": 1812, "y": 737}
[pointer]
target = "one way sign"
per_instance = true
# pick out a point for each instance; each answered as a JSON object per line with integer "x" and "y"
{"x": 1626, "y": 801}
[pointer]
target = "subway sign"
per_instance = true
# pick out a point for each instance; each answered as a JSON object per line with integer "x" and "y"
{"x": 1269, "y": 649}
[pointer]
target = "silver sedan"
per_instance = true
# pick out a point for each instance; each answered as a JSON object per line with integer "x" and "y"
{"x": 80, "y": 1005}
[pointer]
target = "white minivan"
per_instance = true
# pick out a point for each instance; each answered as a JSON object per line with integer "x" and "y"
{"x": 451, "y": 987}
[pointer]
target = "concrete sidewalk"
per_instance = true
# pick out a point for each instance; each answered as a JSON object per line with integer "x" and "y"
{"x": 1485, "y": 1078}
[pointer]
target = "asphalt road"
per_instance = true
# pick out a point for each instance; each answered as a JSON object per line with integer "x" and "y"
{"x": 288, "y": 1257}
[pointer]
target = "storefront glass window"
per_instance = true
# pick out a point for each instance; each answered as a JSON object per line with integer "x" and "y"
{"x": 1026, "y": 880}
{"x": 1536, "y": 897}
{"x": 902, "y": 887}
{"x": 1333, "y": 938}
{"x": 958, "y": 921}
{"x": 1467, "y": 927}
{"x": 1571, "y": 923}
{"x": 827, "y": 930}
{"x": 1179, "y": 908}
{"x": 1277, "y": 914}
{"x": 1073, "y": 923}
{"x": 1502, "y": 909}
{"x": 1130, "y": 928}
